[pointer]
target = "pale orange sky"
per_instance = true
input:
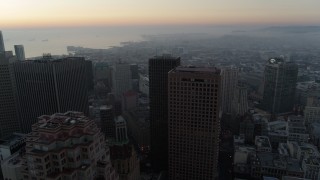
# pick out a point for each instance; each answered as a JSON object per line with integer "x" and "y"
{"x": 44, "y": 13}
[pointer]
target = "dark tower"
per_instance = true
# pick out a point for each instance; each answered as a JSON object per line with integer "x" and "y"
{"x": 280, "y": 78}
{"x": 159, "y": 67}
{"x": 49, "y": 86}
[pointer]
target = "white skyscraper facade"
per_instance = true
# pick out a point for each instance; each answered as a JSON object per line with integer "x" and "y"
{"x": 19, "y": 50}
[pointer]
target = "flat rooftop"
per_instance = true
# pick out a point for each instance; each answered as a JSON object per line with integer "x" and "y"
{"x": 194, "y": 69}
{"x": 13, "y": 139}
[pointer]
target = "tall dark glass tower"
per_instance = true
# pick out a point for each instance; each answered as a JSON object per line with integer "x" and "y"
{"x": 159, "y": 67}
{"x": 9, "y": 116}
{"x": 280, "y": 78}
{"x": 48, "y": 86}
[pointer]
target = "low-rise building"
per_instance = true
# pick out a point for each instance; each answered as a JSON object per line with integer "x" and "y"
{"x": 311, "y": 167}
{"x": 274, "y": 165}
{"x": 66, "y": 146}
{"x": 297, "y": 130}
{"x": 262, "y": 144}
{"x": 12, "y": 167}
{"x": 11, "y": 145}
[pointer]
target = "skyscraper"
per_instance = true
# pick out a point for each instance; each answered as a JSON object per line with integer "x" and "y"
{"x": 194, "y": 122}
{"x": 50, "y": 86}
{"x": 159, "y": 67}
{"x": 67, "y": 146}
{"x": 121, "y": 79}
{"x": 19, "y": 50}
{"x": 240, "y": 100}
{"x": 280, "y": 78}
{"x": 2, "y": 48}
{"x": 229, "y": 85}
{"x": 9, "y": 115}
{"x": 107, "y": 121}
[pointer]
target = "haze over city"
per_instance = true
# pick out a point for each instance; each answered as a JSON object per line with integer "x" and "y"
{"x": 48, "y": 13}
{"x": 159, "y": 90}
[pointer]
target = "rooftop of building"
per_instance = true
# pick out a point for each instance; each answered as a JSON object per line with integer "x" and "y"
{"x": 194, "y": 69}
{"x": 46, "y": 58}
{"x": 245, "y": 148}
{"x": 67, "y": 119}
{"x": 13, "y": 139}
{"x": 292, "y": 178}
{"x": 272, "y": 160}
{"x": 164, "y": 57}
{"x": 119, "y": 119}
{"x": 312, "y": 160}
{"x": 279, "y": 60}
{"x": 15, "y": 160}
{"x": 106, "y": 107}
{"x": 262, "y": 142}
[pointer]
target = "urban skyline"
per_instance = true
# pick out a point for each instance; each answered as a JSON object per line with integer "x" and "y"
{"x": 141, "y": 90}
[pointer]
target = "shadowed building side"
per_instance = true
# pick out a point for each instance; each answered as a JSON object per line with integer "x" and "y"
{"x": 159, "y": 67}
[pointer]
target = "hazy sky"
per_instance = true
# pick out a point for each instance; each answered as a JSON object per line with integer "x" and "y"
{"x": 43, "y": 13}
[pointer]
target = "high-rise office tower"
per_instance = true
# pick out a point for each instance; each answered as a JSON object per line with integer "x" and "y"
{"x": 66, "y": 146}
{"x": 9, "y": 116}
{"x": 121, "y": 79}
{"x": 107, "y": 121}
{"x": 2, "y": 48}
{"x": 229, "y": 85}
{"x": 194, "y": 122}
{"x": 280, "y": 78}
{"x": 240, "y": 100}
{"x": 19, "y": 50}
{"x": 159, "y": 67}
{"x": 50, "y": 86}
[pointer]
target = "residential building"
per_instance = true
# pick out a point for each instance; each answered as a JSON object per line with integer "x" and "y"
{"x": 11, "y": 145}
{"x": 12, "y": 167}
{"x": 66, "y": 146}
{"x": 262, "y": 144}
{"x": 194, "y": 110}
{"x": 47, "y": 86}
{"x": 311, "y": 167}
{"x": 273, "y": 165}
{"x": 280, "y": 78}
{"x": 297, "y": 130}
{"x": 312, "y": 110}
{"x": 159, "y": 66}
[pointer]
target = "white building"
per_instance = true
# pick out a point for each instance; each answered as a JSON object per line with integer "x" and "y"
{"x": 11, "y": 167}
{"x": 144, "y": 85}
{"x": 11, "y": 145}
